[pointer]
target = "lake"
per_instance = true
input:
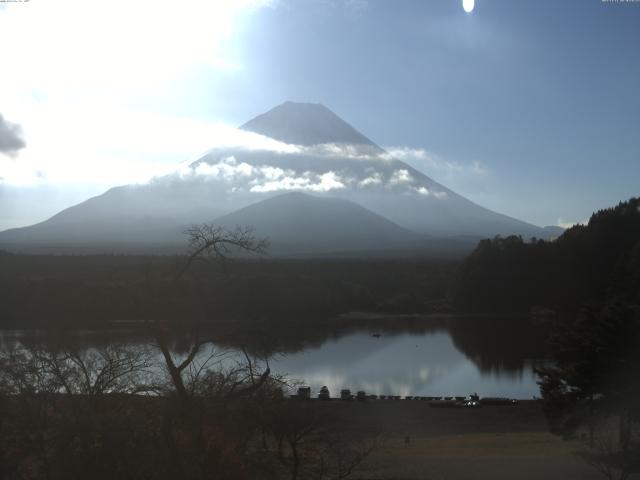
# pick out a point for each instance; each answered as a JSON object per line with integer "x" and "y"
{"x": 493, "y": 357}
{"x": 427, "y": 364}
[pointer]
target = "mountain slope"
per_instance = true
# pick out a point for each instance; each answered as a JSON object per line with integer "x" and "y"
{"x": 298, "y": 223}
{"x": 130, "y": 218}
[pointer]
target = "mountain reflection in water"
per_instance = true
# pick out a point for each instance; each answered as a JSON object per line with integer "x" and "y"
{"x": 453, "y": 356}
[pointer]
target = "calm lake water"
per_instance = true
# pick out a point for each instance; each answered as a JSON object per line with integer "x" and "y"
{"x": 493, "y": 357}
{"x": 427, "y": 364}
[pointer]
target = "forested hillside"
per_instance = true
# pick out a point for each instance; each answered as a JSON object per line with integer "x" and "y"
{"x": 587, "y": 264}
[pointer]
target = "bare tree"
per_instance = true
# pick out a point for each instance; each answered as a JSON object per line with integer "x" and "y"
{"x": 342, "y": 457}
{"x": 68, "y": 407}
{"x": 91, "y": 372}
{"x": 211, "y": 241}
{"x": 239, "y": 377}
{"x": 194, "y": 375}
{"x": 310, "y": 441}
{"x": 174, "y": 369}
{"x": 201, "y": 373}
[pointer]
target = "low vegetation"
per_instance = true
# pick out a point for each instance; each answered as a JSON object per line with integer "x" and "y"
{"x": 128, "y": 413}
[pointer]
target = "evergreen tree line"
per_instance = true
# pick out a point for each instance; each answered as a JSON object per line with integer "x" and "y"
{"x": 590, "y": 276}
{"x": 586, "y": 264}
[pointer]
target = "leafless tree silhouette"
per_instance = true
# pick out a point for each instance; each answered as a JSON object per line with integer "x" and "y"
{"x": 211, "y": 241}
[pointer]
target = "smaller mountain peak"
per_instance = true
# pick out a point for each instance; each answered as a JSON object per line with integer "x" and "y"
{"x": 305, "y": 124}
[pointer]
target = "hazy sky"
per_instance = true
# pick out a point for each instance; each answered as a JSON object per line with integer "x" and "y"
{"x": 528, "y": 107}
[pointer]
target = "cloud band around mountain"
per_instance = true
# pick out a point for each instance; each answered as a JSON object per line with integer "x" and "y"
{"x": 307, "y": 172}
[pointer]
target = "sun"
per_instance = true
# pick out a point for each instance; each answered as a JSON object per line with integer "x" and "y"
{"x": 468, "y": 5}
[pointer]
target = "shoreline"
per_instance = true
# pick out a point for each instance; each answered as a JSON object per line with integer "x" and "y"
{"x": 352, "y": 318}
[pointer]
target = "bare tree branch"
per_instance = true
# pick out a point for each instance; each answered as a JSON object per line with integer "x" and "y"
{"x": 209, "y": 240}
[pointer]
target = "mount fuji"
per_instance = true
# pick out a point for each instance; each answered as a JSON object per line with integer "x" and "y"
{"x": 350, "y": 196}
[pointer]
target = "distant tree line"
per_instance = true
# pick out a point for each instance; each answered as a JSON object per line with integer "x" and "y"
{"x": 43, "y": 291}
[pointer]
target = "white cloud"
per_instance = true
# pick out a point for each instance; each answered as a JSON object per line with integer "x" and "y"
{"x": 374, "y": 179}
{"x": 433, "y": 164}
{"x": 273, "y": 173}
{"x": 241, "y": 176}
{"x": 79, "y": 77}
{"x": 329, "y": 181}
{"x": 120, "y": 146}
{"x": 345, "y": 150}
{"x": 228, "y": 169}
{"x": 257, "y": 178}
{"x": 426, "y": 192}
{"x": 117, "y": 146}
{"x": 79, "y": 45}
{"x": 470, "y": 179}
{"x": 308, "y": 181}
{"x": 400, "y": 177}
{"x": 285, "y": 183}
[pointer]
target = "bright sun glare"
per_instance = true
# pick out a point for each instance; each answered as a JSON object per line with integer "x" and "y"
{"x": 468, "y": 5}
